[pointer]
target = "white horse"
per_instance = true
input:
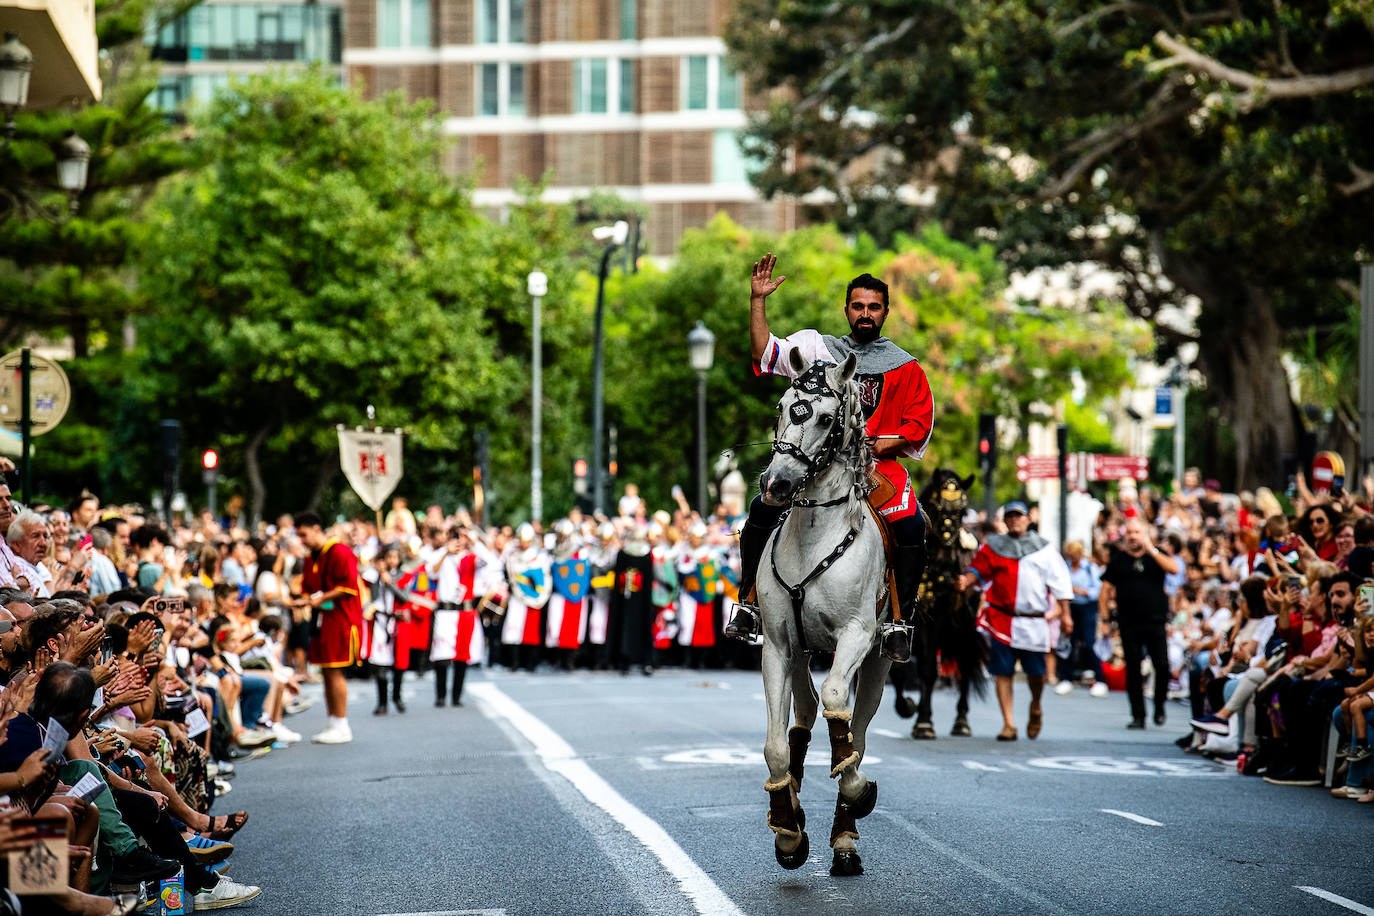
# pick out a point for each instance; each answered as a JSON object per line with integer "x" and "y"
{"x": 821, "y": 591}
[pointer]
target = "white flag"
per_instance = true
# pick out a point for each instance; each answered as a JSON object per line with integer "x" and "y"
{"x": 372, "y": 463}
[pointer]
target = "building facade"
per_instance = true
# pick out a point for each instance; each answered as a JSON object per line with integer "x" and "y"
{"x": 629, "y": 96}
{"x": 220, "y": 39}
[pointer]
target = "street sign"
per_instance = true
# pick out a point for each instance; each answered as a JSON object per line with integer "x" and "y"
{"x": 50, "y": 394}
{"x": 1037, "y": 467}
{"x": 1115, "y": 467}
{"x": 1328, "y": 472}
{"x": 1164, "y": 408}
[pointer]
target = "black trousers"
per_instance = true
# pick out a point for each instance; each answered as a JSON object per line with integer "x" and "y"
{"x": 381, "y": 676}
{"x": 908, "y": 532}
{"x": 1136, "y": 641}
{"x": 156, "y": 829}
{"x": 460, "y": 673}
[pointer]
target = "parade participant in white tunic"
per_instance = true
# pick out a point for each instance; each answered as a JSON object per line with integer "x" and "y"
{"x": 665, "y": 591}
{"x": 382, "y": 617}
{"x": 572, "y": 577}
{"x": 458, "y": 639}
{"x": 602, "y": 558}
{"x": 529, "y": 579}
{"x": 699, "y": 571}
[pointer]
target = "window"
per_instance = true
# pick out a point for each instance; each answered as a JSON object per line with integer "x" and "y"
{"x": 627, "y": 87}
{"x": 729, "y": 164}
{"x": 402, "y": 23}
{"x": 501, "y": 90}
{"x": 266, "y": 32}
{"x": 695, "y": 93}
{"x": 589, "y": 86}
{"x": 500, "y": 22}
{"x": 629, "y": 19}
{"x": 708, "y": 84}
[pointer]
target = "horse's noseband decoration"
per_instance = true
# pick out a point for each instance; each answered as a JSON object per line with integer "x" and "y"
{"x": 813, "y": 381}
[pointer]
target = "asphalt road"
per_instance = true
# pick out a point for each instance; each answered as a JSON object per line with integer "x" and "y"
{"x": 579, "y": 793}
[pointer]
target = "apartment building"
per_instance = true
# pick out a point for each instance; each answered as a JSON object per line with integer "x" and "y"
{"x": 630, "y": 96}
{"x": 220, "y": 39}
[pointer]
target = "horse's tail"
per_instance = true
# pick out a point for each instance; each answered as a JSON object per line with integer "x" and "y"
{"x": 966, "y": 646}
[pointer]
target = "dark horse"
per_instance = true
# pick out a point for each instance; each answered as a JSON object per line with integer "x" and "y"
{"x": 947, "y": 629}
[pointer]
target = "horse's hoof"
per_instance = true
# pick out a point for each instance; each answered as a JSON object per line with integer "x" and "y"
{"x": 961, "y": 729}
{"x": 924, "y": 731}
{"x": 846, "y": 864}
{"x": 797, "y": 857}
{"x": 863, "y": 805}
{"x": 906, "y": 707}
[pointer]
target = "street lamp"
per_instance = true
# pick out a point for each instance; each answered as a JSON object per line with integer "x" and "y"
{"x": 701, "y": 352}
{"x": 16, "y": 66}
{"x": 538, "y": 286}
{"x": 614, "y": 237}
{"x": 73, "y": 160}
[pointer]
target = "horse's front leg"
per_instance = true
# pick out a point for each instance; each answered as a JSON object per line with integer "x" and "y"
{"x": 806, "y": 703}
{"x": 853, "y": 647}
{"x": 785, "y": 817}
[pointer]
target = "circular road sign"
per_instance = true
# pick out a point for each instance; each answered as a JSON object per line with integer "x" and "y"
{"x": 50, "y": 394}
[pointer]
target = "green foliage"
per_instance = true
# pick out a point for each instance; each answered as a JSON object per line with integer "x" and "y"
{"x": 1069, "y": 137}
{"x": 947, "y": 307}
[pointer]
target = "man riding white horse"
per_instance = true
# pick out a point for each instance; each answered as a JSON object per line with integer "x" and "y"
{"x": 900, "y": 414}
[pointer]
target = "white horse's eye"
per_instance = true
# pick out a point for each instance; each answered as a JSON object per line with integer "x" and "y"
{"x": 825, "y": 419}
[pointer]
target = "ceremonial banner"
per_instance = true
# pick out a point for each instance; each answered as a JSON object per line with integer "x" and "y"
{"x": 702, "y": 582}
{"x": 371, "y": 461}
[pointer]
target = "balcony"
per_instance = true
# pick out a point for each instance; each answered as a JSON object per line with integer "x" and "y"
{"x": 61, "y": 35}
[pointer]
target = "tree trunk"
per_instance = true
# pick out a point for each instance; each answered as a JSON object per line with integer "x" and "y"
{"x": 328, "y": 468}
{"x": 257, "y": 490}
{"x": 1241, "y": 359}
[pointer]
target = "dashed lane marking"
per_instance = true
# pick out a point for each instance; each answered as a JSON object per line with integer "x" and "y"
{"x": 1131, "y": 817}
{"x": 558, "y": 757}
{"x": 452, "y": 913}
{"x": 1337, "y": 899}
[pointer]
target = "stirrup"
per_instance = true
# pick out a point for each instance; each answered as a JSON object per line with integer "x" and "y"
{"x": 745, "y": 624}
{"x": 896, "y": 641}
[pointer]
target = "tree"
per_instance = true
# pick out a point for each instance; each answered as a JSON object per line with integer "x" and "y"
{"x": 320, "y": 262}
{"x": 1211, "y": 160}
{"x": 948, "y": 306}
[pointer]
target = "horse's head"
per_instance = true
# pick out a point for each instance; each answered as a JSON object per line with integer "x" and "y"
{"x": 945, "y": 498}
{"x": 814, "y": 417}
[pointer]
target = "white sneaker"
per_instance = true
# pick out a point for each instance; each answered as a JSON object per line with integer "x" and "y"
{"x": 1098, "y": 690}
{"x": 334, "y": 734}
{"x": 285, "y": 735}
{"x": 299, "y": 706}
{"x": 254, "y": 737}
{"x": 1063, "y": 688}
{"x": 225, "y": 894}
{"x": 222, "y": 788}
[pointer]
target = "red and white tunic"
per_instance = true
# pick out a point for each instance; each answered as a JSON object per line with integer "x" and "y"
{"x": 457, "y": 631}
{"x": 897, "y": 402}
{"x": 529, "y": 579}
{"x": 1020, "y": 576}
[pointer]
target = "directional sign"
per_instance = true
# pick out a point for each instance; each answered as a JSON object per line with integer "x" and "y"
{"x": 49, "y": 393}
{"x": 1115, "y": 467}
{"x": 1037, "y": 467}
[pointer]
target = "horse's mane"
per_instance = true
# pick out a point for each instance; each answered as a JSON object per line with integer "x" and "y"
{"x": 856, "y": 454}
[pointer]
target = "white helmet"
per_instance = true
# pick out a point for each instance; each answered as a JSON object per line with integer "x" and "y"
{"x": 563, "y": 528}
{"x": 698, "y": 529}
{"x": 606, "y": 531}
{"x": 525, "y": 532}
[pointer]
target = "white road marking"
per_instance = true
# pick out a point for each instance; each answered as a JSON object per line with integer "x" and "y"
{"x": 739, "y": 756}
{"x": 975, "y": 765}
{"x": 1131, "y": 817}
{"x": 884, "y": 733}
{"x": 452, "y": 913}
{"x": 559, "y": 757}
{"x": 1338, "y": 900}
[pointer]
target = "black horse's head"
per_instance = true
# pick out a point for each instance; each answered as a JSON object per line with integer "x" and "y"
{"x": 945, "y": 499}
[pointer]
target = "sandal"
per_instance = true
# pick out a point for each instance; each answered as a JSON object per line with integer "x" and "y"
{"x": 229, "y": 824}
{"x": 1033, "y": 723}
{"x": 1366, "y": 798}
{"x": 1007, "y": 734}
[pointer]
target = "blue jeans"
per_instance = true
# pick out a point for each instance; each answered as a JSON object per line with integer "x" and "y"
{"x": 253, "y": 697}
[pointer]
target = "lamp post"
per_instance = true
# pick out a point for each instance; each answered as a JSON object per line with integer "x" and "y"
{"x": 701, "y": 351}
{"x": 614, "y": 237}
{"x": 1178, "y": 380}
{"x": 73, "y": 161}
{"x": 16, "y": 66}
{"x": 538, "y": 286}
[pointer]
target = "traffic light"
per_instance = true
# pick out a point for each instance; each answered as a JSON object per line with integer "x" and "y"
{"x": 580, "y": 477}
{"x": 210, "y": 459}
{"x": 987, "y": 442}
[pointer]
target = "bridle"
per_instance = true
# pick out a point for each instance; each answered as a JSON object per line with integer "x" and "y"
{"x": 813, "y": 381}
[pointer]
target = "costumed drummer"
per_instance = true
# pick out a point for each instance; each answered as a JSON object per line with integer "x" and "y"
{"x": 900, "y": 413}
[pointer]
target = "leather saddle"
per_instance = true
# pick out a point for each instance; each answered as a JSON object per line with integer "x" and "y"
{"x": 882, "y": 492}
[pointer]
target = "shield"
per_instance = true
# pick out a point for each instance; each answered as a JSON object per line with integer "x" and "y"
{"x": 531, "y": 582}
{"x": 729, "y": 582}
{"x": 702, "y": 582}
{"x": 572, "y": 578}
{"x": 371, "y": 462}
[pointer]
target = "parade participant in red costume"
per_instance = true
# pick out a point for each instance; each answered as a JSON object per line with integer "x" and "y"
{"x": 900, "y": 415}
{"x": 330, "y": 586}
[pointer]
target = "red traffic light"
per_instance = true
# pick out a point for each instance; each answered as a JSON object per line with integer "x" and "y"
{"x": 580, "y": 468}
{"x": 209, "y": 460}
{"x": 984, "y": 446}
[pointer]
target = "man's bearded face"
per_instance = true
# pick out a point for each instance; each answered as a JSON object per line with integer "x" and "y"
{"x": 866, "y": 313}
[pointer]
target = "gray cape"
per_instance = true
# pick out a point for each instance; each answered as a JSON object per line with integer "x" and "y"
{"x": 1004, "y": 545}
{"x": 875, "y": 357}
